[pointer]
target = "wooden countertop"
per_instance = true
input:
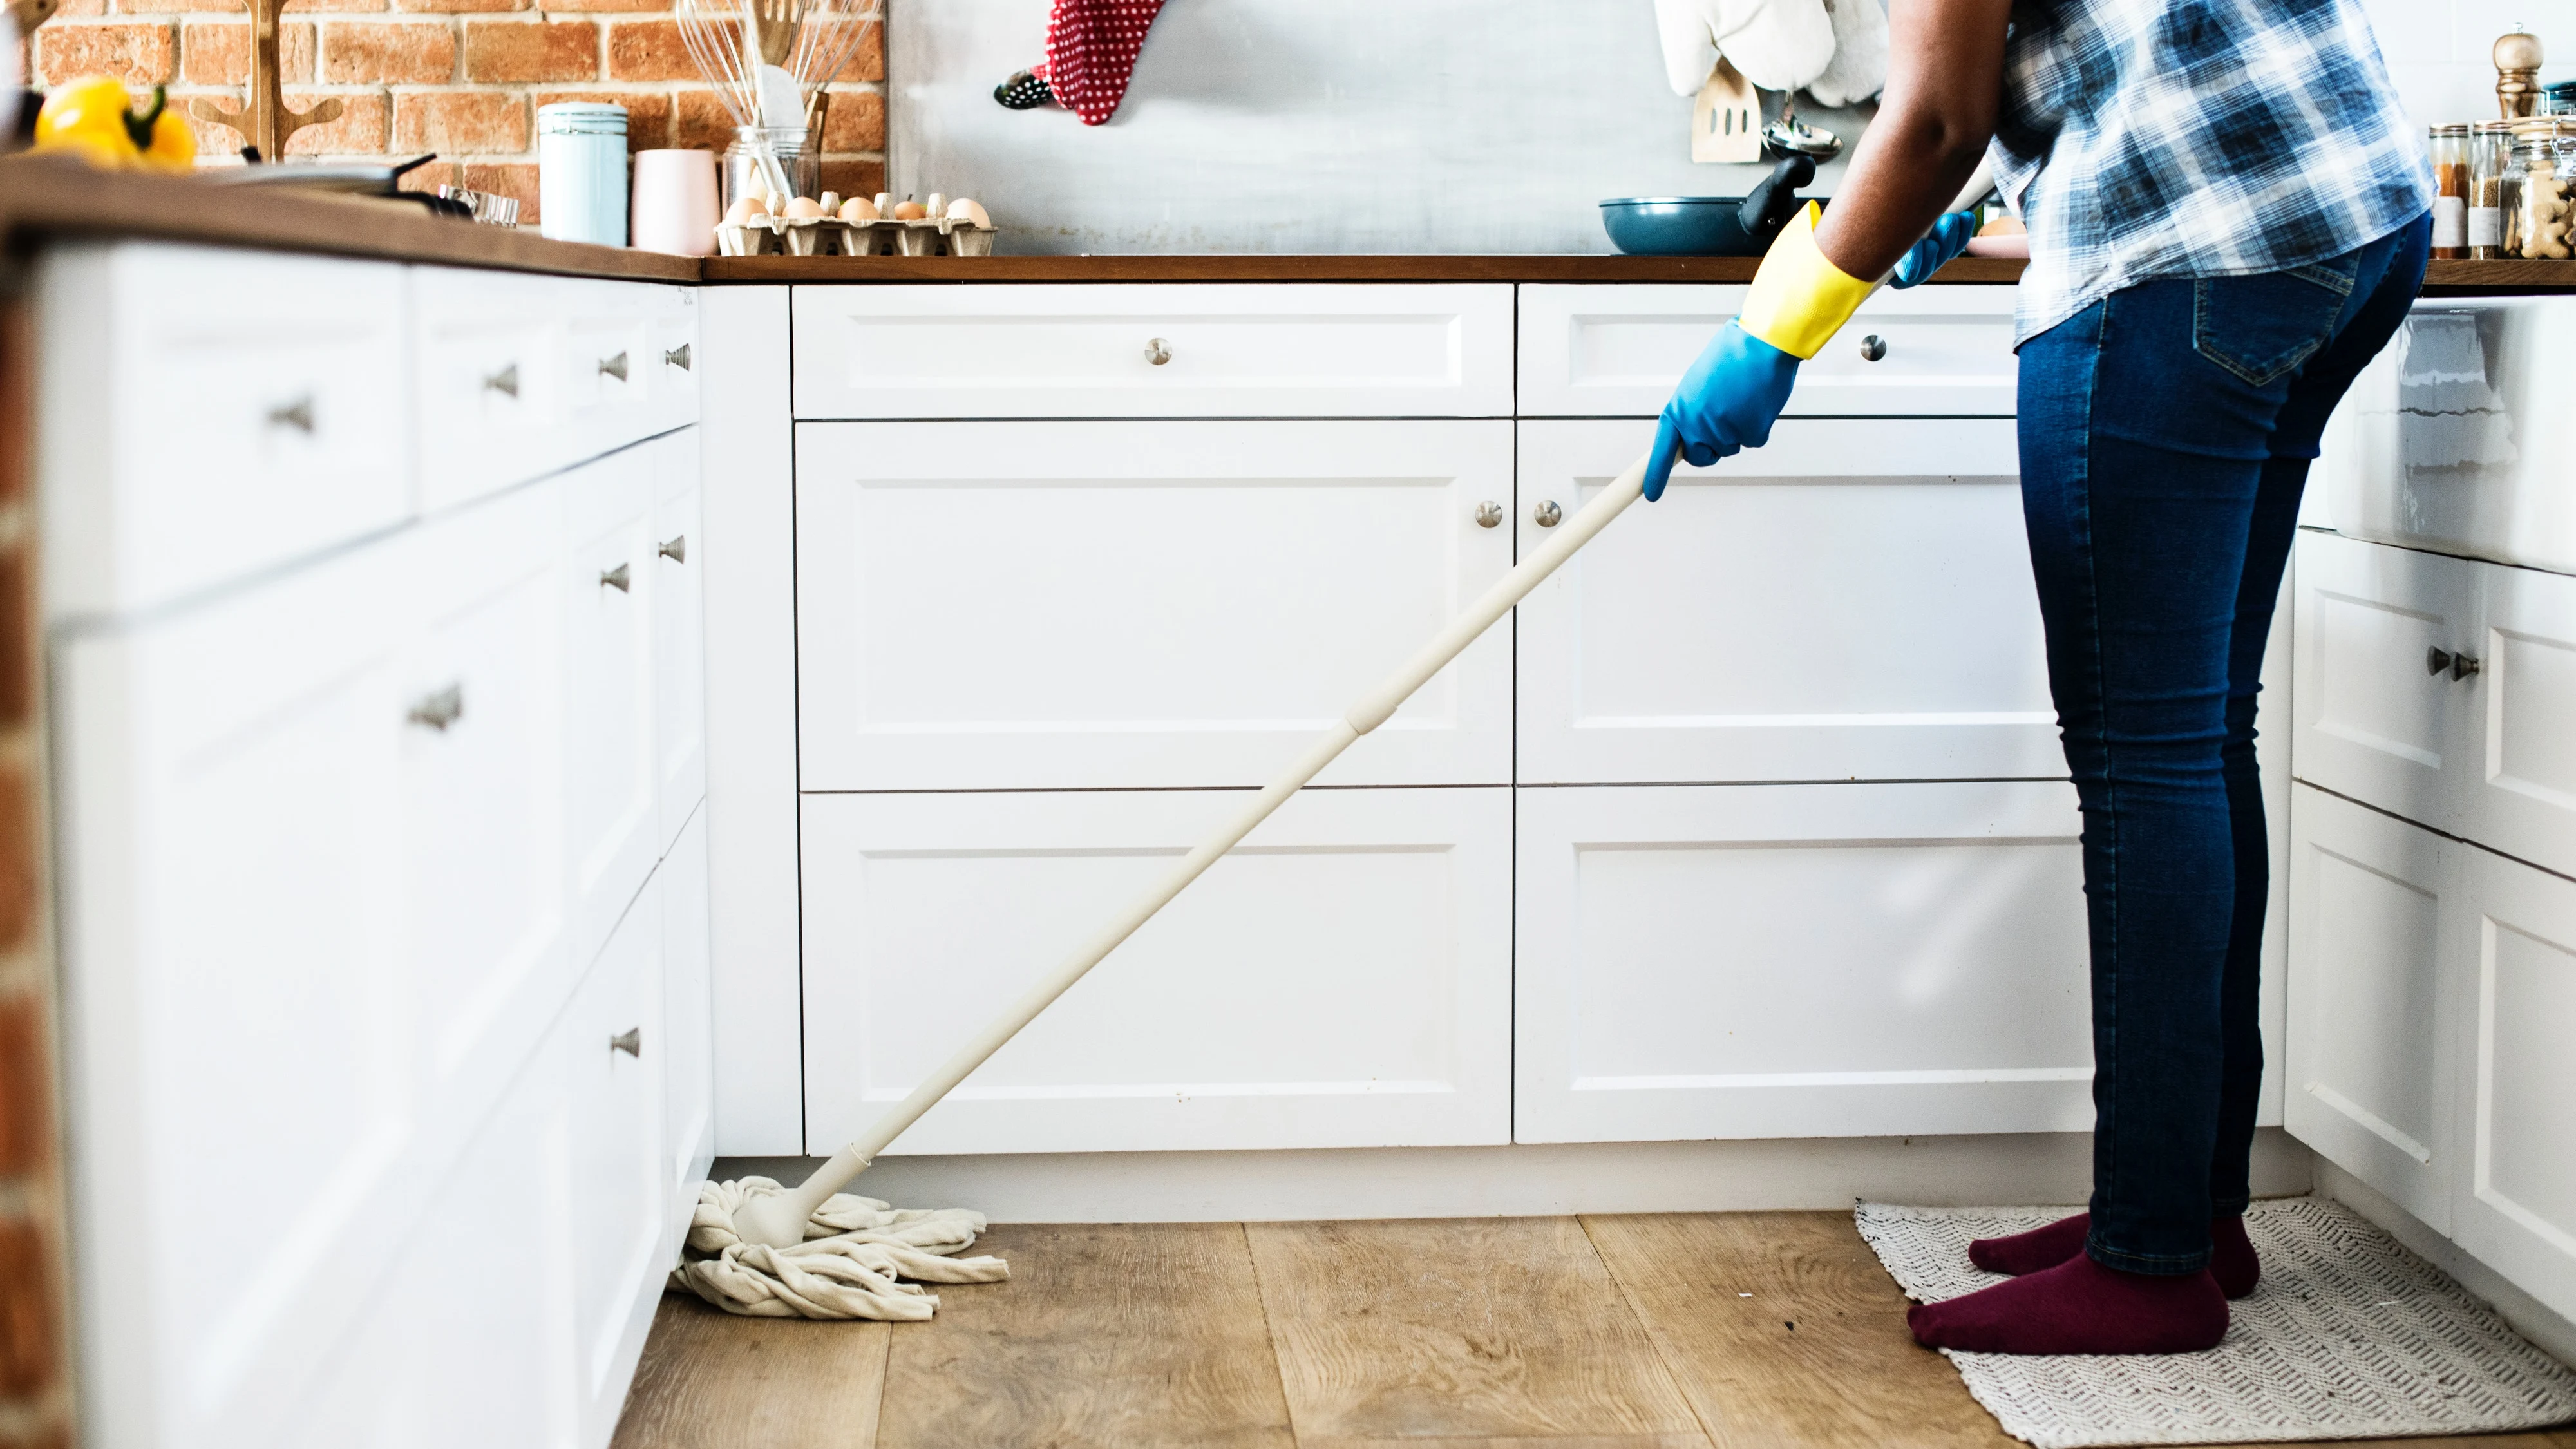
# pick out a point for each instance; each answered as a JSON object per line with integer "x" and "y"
{"x": 53, "y": 197}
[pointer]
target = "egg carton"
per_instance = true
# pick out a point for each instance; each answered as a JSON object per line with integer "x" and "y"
{"x": 824, "y": 236}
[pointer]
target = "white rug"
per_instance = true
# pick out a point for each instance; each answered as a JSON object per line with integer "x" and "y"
{"x": 2350, "y": 1336}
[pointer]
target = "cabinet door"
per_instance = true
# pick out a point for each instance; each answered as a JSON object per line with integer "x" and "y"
{"x": 608, "y": 574}
{"x": 2516, "y": 954}
{"x": 1616, "y": 350}
{"x": 688, "y": 1009}
{"x": 2521, "y": 784}
{"x": 1071, "y": 605}
{"x": 611, "y": 1043}
{"x": 2376, "y": 721}
{"x": 1342, "y": 979}
{"x": 1853, "y": 601}
{"x": 2370, "y": 1063}
{"x": 1800, "y": 961}
{"x": 679, "y": 635}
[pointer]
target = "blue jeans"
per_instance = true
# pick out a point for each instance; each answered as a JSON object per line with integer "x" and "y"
{"x": 2166, "y": 433}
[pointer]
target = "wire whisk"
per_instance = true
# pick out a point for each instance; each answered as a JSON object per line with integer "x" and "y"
{"x": 803, "y": 43}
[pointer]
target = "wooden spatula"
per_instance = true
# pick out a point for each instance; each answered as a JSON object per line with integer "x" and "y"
{"x": 1726, "y": 120}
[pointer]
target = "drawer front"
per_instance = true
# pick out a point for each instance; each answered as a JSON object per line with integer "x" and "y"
{"x": 1092, "y": 351}
{"x": 612, "y": 365}
{"x": 672, "y": 355}
{"x": 1853, "y": 601}
{"x": 490, "y": 375}
{"x": 1342, "y": 979}
{"x": 1617, "y": 351}
{"x": 2372, "y": 922}
{"x": 2521, "y": 747}
{"x": 1800, "y": 961}
{"x": 237, "y": 411}
{"x": 2374, "y": 721}
{"x": 1141, "y": 604}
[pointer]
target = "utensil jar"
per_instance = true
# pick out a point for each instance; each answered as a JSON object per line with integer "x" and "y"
{"x": 744, "y": 175}
{"x": 581, "y": 172}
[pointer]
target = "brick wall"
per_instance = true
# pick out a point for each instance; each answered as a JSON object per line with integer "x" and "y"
{"x": 458, "y": 77}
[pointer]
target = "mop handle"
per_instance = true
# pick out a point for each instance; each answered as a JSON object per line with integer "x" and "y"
{"x": 1371, "y": 711}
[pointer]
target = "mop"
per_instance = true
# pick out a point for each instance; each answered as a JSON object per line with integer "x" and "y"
{"x": 757, "y": 1248}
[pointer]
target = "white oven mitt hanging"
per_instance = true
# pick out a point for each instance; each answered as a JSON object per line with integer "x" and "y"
{"x": 1779, "y": 45}
{"x": 1859, "y": 68}
{"x": 856, "y": 1250}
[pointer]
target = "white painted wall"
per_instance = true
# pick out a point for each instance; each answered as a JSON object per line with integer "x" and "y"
{"x": 2438, "y": 50}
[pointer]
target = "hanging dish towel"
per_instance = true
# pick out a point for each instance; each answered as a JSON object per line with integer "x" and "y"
{"x": 1859, "y": 70}
{"x": 1779, "y": 45}
{"x": 1090, "y": 52}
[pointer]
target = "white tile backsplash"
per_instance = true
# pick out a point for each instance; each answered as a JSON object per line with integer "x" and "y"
{"x": 2438, "y": 50}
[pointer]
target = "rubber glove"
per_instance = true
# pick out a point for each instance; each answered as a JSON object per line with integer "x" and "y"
{"x": 1734, "y": 392}
{"x": 1948, "y": 237}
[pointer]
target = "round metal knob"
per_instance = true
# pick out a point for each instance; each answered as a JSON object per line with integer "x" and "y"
{"x": 1873, "y": 347}
{"x": 629, "y": 1041}
{"x": 1489, "y": 514}
{"x": 2436, "y": 659}
{"x": 1547, "y": 514}
{"x": 1158, "y": 352}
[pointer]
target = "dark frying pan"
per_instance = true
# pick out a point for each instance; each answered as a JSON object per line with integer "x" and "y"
{"x": 1709, "y": 226}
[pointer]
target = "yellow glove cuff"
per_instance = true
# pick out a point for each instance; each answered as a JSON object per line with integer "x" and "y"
{"x": 1799, "y": 299}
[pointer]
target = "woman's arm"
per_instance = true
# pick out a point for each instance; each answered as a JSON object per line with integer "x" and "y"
{"x": 1944, "y": 83}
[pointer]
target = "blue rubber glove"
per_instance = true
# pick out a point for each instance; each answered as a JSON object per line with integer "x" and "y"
{"x": 1727, "y": 402}
{"x": 1948, "y": 237}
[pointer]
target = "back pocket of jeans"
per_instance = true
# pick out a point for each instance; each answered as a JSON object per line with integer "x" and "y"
{"x": 2260, "y": 327}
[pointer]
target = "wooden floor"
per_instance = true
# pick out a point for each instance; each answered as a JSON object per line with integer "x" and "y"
{"x": 1699, "y": 1331}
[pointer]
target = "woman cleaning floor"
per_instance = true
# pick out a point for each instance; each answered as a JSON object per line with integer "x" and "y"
{"x": 2228, "y": 215}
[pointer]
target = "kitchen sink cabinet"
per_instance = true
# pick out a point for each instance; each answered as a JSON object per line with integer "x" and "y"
{"x": 2519, "y": 779}
{"x": 2513, "y": 964}
{"x": 1025, "y": 605}
{"x": 1799, "y": 961}
{"x": 1852, "y": 601}
{"x": 2380, "y": 716}
{"x": 1342, "y": 979}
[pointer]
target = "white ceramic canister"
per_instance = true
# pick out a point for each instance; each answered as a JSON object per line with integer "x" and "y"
{"x": 581, "y": 172}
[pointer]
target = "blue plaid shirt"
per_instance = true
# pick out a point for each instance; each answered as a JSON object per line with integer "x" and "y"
{"x": 2195, "y": 138}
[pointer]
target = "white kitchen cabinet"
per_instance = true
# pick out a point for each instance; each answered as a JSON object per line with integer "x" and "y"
{"x": 607, "y": 576}
{"x": 679, "y": 566}
{"x": 205, "y": 414}
{"x": 1615, "y": 350}
{"x": 1852, "y": 601}
{"x": 1342, "y": 979}
{"x": 2519, "y": 773}
{"x": 611, "y": 1041}
{"x": 2371, "y": 1058}
{"x": 488, "y": 378}
{"x": 1117, "y": 604}
{"x": 1104, "y": 351}
{"x": 2382, "y": 708}
{"x": 1800, "y": 961}
{"x": 688, "y": 1009}
{"x": 2512, "y": 958}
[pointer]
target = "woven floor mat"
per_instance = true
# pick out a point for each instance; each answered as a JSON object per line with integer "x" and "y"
{"x": 2350, "y": 1336}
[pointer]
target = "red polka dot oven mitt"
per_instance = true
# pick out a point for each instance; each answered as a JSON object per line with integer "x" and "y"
{"x": 1090, "y": 53}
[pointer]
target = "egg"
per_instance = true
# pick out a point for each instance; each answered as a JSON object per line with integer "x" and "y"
{"x": 803, "y": 208}
{"x": 858, "y": 208}
{"x": 965, "y": 209}
{"x": 744, "y": 208}
{"x": 910, "y": 210}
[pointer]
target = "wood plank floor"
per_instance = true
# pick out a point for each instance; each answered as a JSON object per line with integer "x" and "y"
{"x": 1684, "y": 1331}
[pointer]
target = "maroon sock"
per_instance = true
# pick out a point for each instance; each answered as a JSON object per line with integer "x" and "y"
{"x": 2079, "y": 1306}
{"x": 2231, "y": 1253}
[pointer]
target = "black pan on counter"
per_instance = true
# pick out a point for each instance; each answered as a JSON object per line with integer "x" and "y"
{"x": 1709, "y": 226}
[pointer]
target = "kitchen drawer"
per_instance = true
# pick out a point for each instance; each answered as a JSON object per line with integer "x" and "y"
{"x": 204, "y": 415}
{"x": 1090, "y": 351}
{"x": 1617, "y": 350}
{"x": 2373, "y": 721}
{"x": 611, "y": 361}
{"x": 671, "y": 354}
{"x": 1341, "y": 979}
{"x": 1799, "y": 961}
{"x": 1853, "y": 601}
{"x": 2519, "y": 777}
{"x": 1019, "y": 605}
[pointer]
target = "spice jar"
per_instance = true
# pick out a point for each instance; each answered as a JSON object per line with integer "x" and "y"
{"x": 2451, "y": 190}
{"x": 2492, "y": 174}
{"x": 2538, "y": 223}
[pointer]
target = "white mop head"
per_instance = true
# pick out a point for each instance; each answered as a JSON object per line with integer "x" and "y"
{"x": 855, "y": 1250}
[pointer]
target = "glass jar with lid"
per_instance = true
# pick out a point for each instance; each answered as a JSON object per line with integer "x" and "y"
{"x": 2494, "y": 187}
{"x": 2451, "y": 190}
{"x": 2538, "y": 224}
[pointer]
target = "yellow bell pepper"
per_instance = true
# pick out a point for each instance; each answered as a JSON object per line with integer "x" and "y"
{"x": 95, "y": 119}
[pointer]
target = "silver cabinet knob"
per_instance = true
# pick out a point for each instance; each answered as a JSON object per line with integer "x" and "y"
{"x": 1547, "y": 514}
{"x": 1157, "y": 351}
{"x": 2464, "y": 665}
{"x": 504, "y": 382}
{"x": 677, "y": 357}
{"x": 297, "y": 415}
{"x": 629, "y": 1041}
{"x": 616, "y": 578}
{"x": 675, "y": 548}
{"x": 614, "y": 366}
{"x": 2438, "y": 660}
{"x": 1872, "y": 348}
{"x": 438, "y": 711}
{"x": 1489, "y": 514}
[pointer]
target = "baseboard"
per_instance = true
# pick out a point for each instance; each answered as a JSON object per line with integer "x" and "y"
{"x": 2530, "y": 1317}
{"x": 1508, "y": 1181}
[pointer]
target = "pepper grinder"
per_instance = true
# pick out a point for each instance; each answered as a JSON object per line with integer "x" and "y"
{"x": 2517, "y": 63}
